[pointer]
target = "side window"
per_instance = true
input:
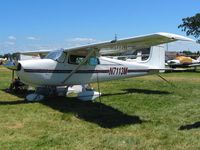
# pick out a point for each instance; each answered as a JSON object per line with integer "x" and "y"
{"x": 74, "y": 59}
{"x": 93, "y": 61}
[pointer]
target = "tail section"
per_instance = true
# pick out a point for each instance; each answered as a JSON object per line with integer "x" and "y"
{"x": 198, "y": 59}
{"x": 156, "y": 58}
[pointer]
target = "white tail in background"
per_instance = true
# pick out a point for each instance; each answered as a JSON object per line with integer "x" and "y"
{"x": 198, "y": 59}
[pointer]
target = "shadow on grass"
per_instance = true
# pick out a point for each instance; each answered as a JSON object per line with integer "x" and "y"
{"x": 140, "y": 91}
{"x": 190, "y": 126}
{"x": 13, "y": 102}
{"x": 95, "y": 112}
{"x": 20, "y": 94}
{"x": 145, "y": 91}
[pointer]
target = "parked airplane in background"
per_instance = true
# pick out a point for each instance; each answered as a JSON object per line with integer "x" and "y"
{"x": 83, "y": 65}
{"x": 183, "y": 62}
{"x": 2, "y": 60}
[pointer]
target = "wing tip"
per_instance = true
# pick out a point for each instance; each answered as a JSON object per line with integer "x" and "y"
{"x": 175, "y": 36}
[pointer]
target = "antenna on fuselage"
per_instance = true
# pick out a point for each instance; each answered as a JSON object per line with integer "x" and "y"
{"x": 115, "y": 40}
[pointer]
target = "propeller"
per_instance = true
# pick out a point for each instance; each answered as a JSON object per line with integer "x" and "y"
{"x": 11, "y": 65}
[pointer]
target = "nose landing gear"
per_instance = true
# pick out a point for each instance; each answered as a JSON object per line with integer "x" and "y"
{"x": 17, "y": 86}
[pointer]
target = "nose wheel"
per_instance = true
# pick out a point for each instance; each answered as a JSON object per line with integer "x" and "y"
{"x": 17, "y": 86}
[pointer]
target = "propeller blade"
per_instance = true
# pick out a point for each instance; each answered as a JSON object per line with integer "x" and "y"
{"x": 10, "y": 65}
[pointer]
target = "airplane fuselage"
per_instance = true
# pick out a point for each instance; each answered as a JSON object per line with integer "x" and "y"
{"x": 48, "y": 72}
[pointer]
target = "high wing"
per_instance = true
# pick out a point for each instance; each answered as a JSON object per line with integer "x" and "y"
{"x": 35, "y": 53}
{"x": 118, "y": 46}
{"x": 132, "y": 43}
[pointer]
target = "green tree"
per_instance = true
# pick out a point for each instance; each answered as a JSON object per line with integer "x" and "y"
{"x": 188, "y": 52}
{"x": 7, "y": 55}
{"x": 191, "y": 25}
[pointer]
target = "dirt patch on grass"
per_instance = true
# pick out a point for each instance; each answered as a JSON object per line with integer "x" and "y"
{"x": 15, "y": 126}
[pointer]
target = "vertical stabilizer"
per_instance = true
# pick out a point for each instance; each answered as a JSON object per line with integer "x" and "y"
{"x": 156, "y": 59}
{"x": 198, "y": 59}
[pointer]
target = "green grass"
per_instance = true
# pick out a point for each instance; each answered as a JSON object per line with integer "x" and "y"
{"x": 135, "y": 113}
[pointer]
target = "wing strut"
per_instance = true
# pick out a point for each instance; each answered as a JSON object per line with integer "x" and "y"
{"x": 84, "y": 61}
{"x": 165, "y": 80}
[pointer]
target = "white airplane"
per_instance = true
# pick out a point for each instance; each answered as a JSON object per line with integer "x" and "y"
{"x": 83, "y": 65}
{"x": 2, "y": 60}
{"x": 183, "y": 62}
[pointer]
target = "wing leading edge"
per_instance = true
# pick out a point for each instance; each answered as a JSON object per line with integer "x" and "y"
{"x": 121, "y": 45}
{"x": 131, "y": 43}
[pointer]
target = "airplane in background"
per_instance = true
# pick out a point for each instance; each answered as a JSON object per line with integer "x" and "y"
{"x": 85, "y": 64}
{"x": 183, "y": 62}
{"x": 2, "y": 60}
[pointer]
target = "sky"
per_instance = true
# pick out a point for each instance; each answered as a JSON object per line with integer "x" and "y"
{"x": 51, "y": 24}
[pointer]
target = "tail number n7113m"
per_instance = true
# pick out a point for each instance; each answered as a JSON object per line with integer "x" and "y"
{"x": 118, "y": 71}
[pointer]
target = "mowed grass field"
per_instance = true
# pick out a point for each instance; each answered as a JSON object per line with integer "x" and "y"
{"x": 135, "y": 113}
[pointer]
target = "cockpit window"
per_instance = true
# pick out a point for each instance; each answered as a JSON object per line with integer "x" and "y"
{"x": 58, "y": 55}
{"x": 74, "y": 59}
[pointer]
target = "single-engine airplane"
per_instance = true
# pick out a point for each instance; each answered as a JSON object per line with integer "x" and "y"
{"x": 183, "y": 62}
{"x": 85, "y": 64}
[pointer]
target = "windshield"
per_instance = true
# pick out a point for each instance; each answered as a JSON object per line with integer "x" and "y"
{"x": 55, "y": 55}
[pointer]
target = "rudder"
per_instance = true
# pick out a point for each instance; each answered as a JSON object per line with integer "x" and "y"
{"x": 156, "y": 58}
